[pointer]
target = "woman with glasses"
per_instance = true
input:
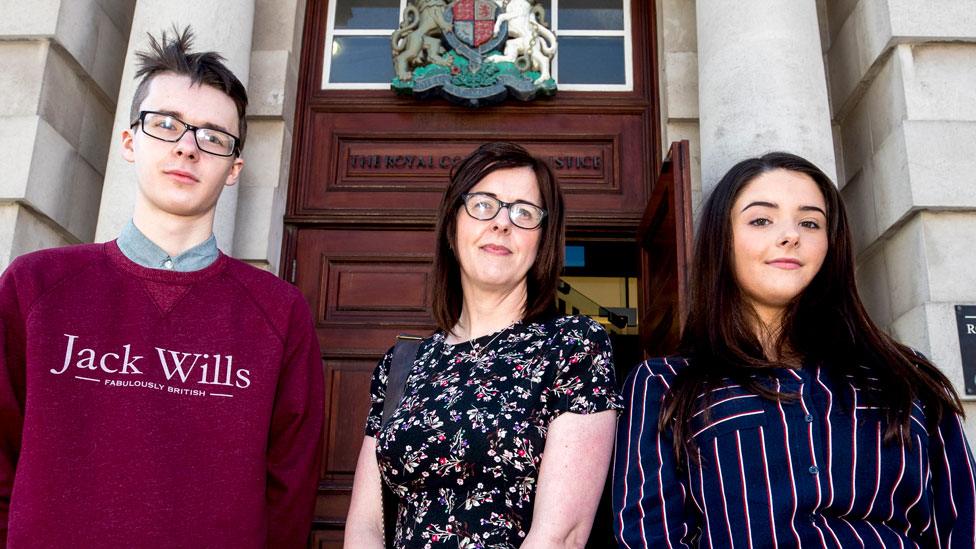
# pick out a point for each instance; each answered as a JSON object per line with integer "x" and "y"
{"x": 504, "y": 431}
{"x": 789, "y": 419}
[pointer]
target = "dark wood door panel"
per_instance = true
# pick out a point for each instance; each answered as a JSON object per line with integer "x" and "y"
{"x": 665, "y": 238}
{"x": 365, "y": 286}
{"x": 327, "y": 539}
{"x": 380, "y": 164}
{"x": 347, "y": 387}
{"x": 346, "y": 403}
{"x": 362, "y": 288}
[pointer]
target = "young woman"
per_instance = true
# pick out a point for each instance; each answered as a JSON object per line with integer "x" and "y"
{"x": 504, "y": 433}
{"x": 789, "y": 419}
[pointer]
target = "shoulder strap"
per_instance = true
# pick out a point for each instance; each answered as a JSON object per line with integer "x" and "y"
{"x": 404, "y": 354}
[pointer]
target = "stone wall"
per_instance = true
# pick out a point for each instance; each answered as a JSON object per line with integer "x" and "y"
{"x": 61, "y": 62}
{"x": 275, "y": 53}
{"x": 901, "y": 77}
{"x": 677, "y": 45}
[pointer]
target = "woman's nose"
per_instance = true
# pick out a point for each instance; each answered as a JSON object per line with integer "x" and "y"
{"x": 502, "y": 222}
{"x": 790, "y": 238}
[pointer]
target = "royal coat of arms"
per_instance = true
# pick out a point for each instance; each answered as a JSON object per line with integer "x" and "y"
{"x": 474, "y": 52}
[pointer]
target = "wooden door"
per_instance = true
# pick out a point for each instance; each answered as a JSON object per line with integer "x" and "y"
{"x": 665, "y": 238}
{"x": 368, "y": 171}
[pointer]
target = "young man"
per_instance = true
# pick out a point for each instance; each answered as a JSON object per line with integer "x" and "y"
{"x": 153, "y": 391}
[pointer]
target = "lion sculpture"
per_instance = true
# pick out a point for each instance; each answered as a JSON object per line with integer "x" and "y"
{"x": 417, "y": 41}
{"x": 530, "y": 45}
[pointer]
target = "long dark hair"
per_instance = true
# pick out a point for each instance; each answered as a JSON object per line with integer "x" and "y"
{"x": 544, "y": 273}
{"x": 825, "y": 324}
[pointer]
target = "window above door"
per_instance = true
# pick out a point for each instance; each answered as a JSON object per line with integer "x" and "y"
{"x": 594, "y": 44}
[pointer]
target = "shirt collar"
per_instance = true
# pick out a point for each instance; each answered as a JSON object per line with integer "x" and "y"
{"x": 142, "y": 251}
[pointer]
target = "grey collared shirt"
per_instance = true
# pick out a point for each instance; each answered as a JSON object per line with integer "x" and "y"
{"x": 142, "y": 251}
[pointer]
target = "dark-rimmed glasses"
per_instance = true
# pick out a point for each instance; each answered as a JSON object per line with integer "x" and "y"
{"x": 485, "y": 207}
{"x": 167, "y": 127}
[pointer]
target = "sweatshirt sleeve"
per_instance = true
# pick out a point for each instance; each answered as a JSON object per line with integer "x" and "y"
{"x": 648, "y": 495}
{"x": 12, "y": 345}
{"x": 953, "y": 485}
{"x": 295, "y": 440}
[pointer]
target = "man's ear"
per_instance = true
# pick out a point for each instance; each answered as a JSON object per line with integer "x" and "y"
{"x": 235, "y": 172}
{"x": 128, "y": 145}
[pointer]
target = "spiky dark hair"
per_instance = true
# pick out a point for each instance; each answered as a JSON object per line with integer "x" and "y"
{"x": 172, "y": 55}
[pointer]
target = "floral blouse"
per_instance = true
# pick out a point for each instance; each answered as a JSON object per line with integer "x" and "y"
{"x": 463, "y": 449}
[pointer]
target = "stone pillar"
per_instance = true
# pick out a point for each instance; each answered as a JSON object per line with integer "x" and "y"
{"x": 761, "y": 84}
{"x": 678, "y": 77}
{"x": 223, "y": 26}
{"x": 273, "y": 88}
{"x": 60, "y": 62}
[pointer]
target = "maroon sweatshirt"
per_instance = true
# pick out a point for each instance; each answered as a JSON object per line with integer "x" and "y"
{"x": 150, "y": 408}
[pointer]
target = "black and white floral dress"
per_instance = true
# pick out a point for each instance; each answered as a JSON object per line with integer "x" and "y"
{"x": 463, "y": 449}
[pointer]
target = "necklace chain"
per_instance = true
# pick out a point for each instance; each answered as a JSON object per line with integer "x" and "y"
{"x": 479, "y": 349}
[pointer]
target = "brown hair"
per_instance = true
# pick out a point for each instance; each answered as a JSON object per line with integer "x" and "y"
{"x": 825, "y": 324}
{"x": 202, "y": 68}
{"x": 544, "y": 273}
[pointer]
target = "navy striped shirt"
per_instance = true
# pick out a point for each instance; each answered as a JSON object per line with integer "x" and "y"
{"x": 812, "y": 472}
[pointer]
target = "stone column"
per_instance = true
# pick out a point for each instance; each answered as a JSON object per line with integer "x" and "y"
{"x": 762, "y": 85}
{"x": 273, "y": 88}
{"x": 223, "y": 26}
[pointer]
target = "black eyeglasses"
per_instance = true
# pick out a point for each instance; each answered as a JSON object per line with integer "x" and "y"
{"x": 167, "y": 127}
{"x": 485, "y": 207}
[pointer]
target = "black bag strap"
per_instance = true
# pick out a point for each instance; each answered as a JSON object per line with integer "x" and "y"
{"x": 404, "y": 354}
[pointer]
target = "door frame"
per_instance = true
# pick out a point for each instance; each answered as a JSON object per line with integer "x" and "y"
{"x": 642, "y": 101}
